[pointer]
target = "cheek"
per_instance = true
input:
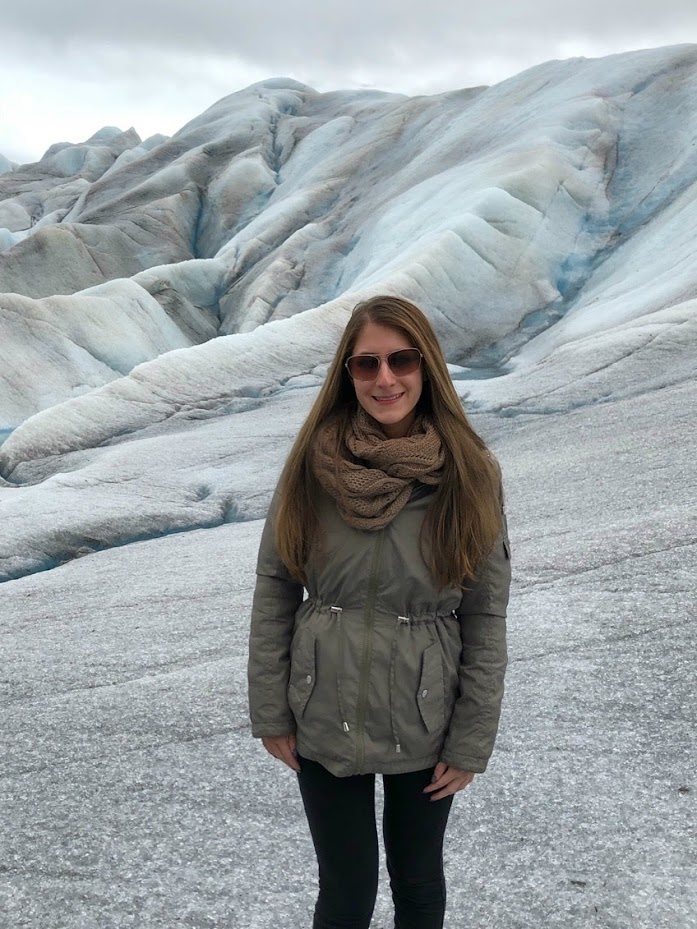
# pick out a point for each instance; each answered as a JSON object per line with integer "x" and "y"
{"x": 361, "y": 390}
{"x": 417, "y": 388}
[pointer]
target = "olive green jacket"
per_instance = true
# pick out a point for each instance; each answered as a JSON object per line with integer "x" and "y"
{"x": 376, "y": 670}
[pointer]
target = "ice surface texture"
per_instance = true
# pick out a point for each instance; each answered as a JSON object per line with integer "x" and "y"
{"x": 167, "y": 311}
{"x": 556, "y": 204}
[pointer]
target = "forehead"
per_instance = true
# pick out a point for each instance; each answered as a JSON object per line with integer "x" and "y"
{"x": 380, "y": 339}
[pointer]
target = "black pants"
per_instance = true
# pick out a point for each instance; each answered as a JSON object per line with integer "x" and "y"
{"x": 341, "y": 815}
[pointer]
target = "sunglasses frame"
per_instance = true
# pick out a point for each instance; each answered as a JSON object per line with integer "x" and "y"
{"x": 382, "y": 358}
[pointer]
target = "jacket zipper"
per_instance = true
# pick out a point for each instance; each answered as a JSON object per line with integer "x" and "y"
{"x": 336, "y": 612}
{"x": 368, "y": 622}
{"x": 402, "y": 621}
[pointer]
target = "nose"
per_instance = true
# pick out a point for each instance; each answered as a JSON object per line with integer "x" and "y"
{"x": 385, "y": 375}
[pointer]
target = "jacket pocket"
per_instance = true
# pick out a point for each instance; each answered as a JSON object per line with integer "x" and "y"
{"x": 431, "y": 694}
{"x": 504, "y": 535}
{"x": 302, "y": 674}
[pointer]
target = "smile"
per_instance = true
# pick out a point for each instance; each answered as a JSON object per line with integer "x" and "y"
{"x": 392, "y": 399}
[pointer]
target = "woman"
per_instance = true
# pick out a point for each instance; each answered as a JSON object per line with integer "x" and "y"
{"x": 389, "y": 513}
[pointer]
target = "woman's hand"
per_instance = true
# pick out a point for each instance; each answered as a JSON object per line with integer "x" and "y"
{"x": 283, "y": 748}
{"x": 447, "y": 781}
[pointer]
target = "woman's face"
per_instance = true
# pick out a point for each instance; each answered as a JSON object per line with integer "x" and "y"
{"x": 389, "y": 399}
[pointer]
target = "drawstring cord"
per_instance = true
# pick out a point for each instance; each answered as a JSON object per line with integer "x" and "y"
{"x": 402, "y": 622}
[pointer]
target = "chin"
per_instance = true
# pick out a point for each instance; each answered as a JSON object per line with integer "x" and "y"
{"x": 387, "y": 416}
{"x": 393, "y": 419}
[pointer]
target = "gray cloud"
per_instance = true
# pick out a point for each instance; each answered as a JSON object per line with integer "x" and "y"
{"x": 157, "y": 63}
{"x": 348, "y": 34}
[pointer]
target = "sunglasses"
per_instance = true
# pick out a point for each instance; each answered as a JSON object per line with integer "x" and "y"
{"x": 366, "y": 367}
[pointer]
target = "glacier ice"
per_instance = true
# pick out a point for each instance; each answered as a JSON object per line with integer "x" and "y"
{"x": 168, "y": 310}
{"x": 503, "y": 230}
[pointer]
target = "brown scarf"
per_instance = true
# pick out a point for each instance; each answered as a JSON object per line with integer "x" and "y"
{"x": 374, "y": 476}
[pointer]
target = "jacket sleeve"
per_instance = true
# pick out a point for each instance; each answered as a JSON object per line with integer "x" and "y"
{"x": 277, "y": 597}
{"x": 482, "y": 615}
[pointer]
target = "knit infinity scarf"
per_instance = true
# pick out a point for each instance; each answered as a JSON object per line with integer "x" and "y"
{"x": 374, "y": 476}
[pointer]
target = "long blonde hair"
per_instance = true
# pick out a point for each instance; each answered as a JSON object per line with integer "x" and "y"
{"x": 464, "y": 516}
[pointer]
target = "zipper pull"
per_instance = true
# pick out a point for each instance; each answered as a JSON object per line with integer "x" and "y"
{"x": 345, "y": 726}
{"x": 403, "y": 620}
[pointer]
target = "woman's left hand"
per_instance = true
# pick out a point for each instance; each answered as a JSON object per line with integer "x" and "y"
{"x": 447, "y": 781}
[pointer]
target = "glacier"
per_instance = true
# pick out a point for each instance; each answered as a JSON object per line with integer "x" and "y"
{"x": 168, "y": 308}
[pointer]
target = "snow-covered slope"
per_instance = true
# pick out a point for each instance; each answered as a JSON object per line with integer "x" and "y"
{"x": 548, "y": 225}
{"x": 6, "y": 165}
{"x": 551, "y": 207}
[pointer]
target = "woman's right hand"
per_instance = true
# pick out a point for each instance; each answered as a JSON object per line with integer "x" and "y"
{"x": 283, "y": 748}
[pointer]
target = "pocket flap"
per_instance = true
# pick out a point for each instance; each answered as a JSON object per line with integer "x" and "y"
{"x": 431, "y": 697}
{"x": 302, "y": 674}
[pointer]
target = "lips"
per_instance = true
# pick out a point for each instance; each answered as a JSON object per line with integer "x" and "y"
{"x": 392, "y": 399}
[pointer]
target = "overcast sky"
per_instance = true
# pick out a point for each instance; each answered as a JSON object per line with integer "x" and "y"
{"x": 67, "y": 69}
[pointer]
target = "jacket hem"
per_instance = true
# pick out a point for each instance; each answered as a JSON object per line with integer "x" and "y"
{"x": 266, "y": 730}
{"x": 343, "y": 768}
{"x": 462, "y": 763}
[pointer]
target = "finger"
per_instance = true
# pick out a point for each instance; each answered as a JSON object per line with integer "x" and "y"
{"x": 442, "y": 781}
{"x": 274, "y": 750}
{"x": 293, "y": 745}
{"x": 439, "y": 769}
{"x": 441, "y": 795}
{"x": 450, "y": 775}
{"x": 269, "y": 745}
{"x": 452, "y": 788}
{"x": 438, "y": 772}
{"x": 446, "y": 792}
{"x": 287, "y": 756}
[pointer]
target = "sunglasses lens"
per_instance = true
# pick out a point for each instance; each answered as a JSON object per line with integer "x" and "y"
{"x": 405, "y": 361}
{"x": 366, "y": 367}
{"x": 363, "y": 367}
